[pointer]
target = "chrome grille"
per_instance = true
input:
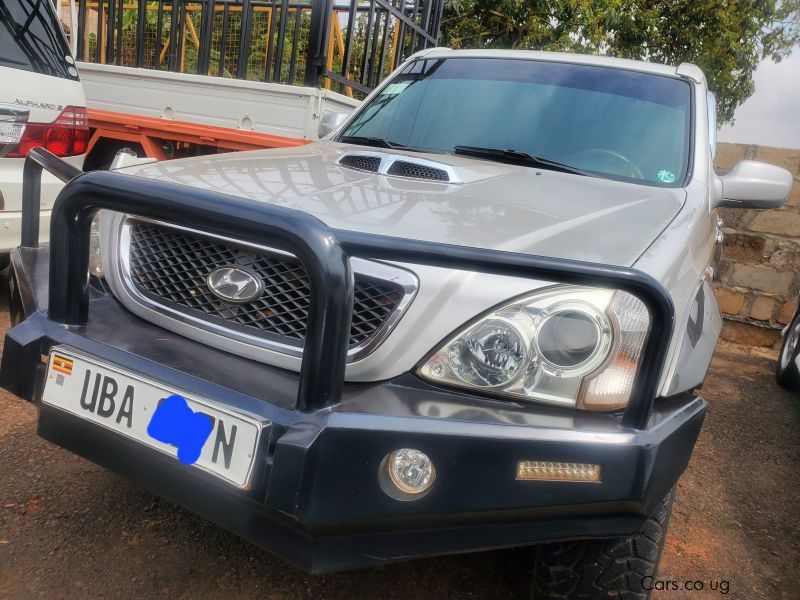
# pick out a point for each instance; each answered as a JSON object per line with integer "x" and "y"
{"x": 170, "y": 266}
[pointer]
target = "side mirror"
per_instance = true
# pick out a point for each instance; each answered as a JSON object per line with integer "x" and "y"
{"x": 330, "y": 121}
{"x": 752, "y": 184}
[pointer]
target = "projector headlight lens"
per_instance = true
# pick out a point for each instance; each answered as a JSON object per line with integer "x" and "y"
{"x": 575, "y": 346}
{"x": 569, "y": 338}
{"x": 491, "y": 354}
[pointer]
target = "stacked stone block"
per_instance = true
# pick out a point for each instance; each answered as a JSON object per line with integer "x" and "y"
{"x": 759, "y": 275}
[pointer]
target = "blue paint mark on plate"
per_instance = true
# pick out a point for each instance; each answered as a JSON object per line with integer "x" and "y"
{"x": 175, "y": 423}
{"x": 666, "y": 176}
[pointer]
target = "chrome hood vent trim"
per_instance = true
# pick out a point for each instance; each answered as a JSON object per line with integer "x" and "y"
{"x": 394, "y": 165}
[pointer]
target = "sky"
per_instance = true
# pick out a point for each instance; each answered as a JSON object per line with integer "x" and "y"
{"x": 771, "y": 116}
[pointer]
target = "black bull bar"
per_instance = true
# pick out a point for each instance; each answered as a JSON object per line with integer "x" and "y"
{"x": 325, "y": 254}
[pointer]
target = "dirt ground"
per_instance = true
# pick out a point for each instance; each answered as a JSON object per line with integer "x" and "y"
{"x": 69, "y": 529}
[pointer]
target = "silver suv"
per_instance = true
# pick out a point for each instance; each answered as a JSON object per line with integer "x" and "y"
{"x": 473, "y": 316}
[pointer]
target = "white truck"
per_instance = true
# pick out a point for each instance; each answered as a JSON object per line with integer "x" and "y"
{"x": 162, "y": 115}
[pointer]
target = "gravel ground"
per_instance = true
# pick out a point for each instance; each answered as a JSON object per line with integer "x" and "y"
{"x": 69, "y": 529}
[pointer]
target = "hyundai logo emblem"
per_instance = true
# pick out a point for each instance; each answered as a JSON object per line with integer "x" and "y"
{"x": 235, "y": 284}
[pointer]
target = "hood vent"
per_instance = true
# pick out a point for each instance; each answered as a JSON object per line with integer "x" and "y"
{"x": 403, "y": 168}
{"x": 409, "y": 167}
{"x": 361, "y": 162}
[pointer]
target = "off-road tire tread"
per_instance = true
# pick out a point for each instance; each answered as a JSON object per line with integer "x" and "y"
{"x": 611, "y": 568}
{"x": 788, "y": 378}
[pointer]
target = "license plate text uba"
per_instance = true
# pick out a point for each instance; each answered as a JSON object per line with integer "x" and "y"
{"x": 125, "y": 403}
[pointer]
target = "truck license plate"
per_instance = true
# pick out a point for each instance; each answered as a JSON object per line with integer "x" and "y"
{"x": 126, "y": 404}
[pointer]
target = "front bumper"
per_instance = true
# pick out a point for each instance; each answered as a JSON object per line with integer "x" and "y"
{"x": 315, "y": 499}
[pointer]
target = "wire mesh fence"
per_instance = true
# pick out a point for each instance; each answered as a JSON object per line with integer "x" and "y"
{"x": 347, "y": 47}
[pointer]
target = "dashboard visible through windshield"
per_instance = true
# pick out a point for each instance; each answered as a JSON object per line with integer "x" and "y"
{"x": 602, "y": 121}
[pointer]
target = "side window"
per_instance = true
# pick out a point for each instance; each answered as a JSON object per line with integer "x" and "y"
{"x": 712, "y": 123}
{"x": 31, "y": 39}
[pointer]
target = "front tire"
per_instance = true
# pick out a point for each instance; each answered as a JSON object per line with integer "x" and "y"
{"x": 612, "y": 568}
{"x": 786, "y": 370}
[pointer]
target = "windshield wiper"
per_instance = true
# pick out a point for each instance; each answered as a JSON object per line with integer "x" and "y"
{"x": 369, "y": 141}
{"x": 517, "y": 157}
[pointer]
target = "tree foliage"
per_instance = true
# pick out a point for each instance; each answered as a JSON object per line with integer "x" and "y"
{"x": 726, "y": 38}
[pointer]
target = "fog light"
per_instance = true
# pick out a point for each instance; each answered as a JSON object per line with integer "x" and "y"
{"x": 410, "y": 471}
{"x": 557, "y": 471}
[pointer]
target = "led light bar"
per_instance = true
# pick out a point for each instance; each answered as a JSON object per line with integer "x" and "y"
{"x": 557, "y": 471}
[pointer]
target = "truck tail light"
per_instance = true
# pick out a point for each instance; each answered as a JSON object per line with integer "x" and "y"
{"x": 68, "y": 135}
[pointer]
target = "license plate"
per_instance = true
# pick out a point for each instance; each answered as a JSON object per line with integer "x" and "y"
{"x": 126, "y": 403}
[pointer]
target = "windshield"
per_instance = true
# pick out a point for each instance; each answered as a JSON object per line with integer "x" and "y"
{"x": 610, "y": 122}
{"x": 31, "y": 39}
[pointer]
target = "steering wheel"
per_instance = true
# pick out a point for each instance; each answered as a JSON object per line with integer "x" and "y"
{"x": 632, "y": 169}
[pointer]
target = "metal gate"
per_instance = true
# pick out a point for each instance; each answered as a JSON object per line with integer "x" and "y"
{"x": 349, "y": 47}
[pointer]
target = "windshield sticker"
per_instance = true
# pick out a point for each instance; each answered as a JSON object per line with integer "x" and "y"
{"x": 665, "y": 176}
{"x": 396, "y": 88}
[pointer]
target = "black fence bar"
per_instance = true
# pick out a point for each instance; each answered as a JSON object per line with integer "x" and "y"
{"x": 426, "y": 20}
{"x": 368, "y": 31}
{"x": 317, "y": 42}
{"x": 298, "y": 15}
{"x": 348, "y": 41}
{"x": 141, "y": 26}
{"x": 118, "y": 33}
{"x": 414, "y": 13}
{"x": 37, "y": 159}
{"x": 206, "y": 32}
{"x": 372, "y": 37}
{"x": 81, "y": 33}
{"x": 373, "y": 54}
{"x": 244, "y": 39}
{"x": 159, "y": 25}
{"x": 436, "y": 26}
{"x": 181, "y": 47}
{"x": 97, "y": 56}
{"x": 270, "y": 58}
{"x": 284, "y": 17}
{"x": 174, "y": 39}
{"x": 110, "y": 14}
{"x": 384, "y": 41}
{"x": 223, "y": 41}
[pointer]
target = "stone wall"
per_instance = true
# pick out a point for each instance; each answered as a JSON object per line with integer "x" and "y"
{"x": 759, "y": 275}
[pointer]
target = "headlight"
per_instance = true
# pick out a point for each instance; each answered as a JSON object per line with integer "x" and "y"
{"x": 567, "y": 345}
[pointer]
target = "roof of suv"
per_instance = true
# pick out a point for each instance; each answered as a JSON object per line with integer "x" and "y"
{"x": 683, "y": 70}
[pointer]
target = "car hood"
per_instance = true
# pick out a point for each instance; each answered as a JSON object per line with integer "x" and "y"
{"x": 498, "y": 206}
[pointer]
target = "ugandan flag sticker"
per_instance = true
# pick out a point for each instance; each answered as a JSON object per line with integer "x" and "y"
{"x": 62, "y": 364}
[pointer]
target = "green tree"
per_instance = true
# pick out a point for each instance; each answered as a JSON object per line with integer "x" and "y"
{"x": 726, "y": 38}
